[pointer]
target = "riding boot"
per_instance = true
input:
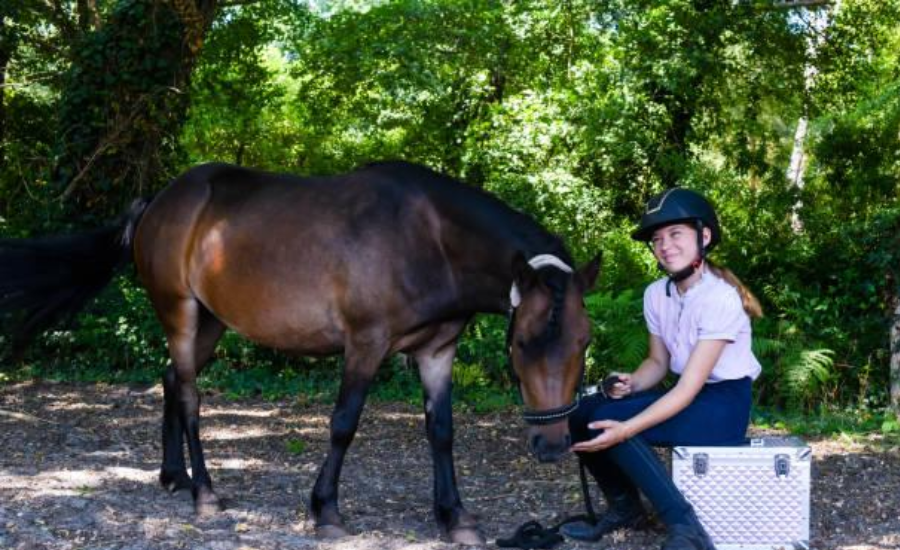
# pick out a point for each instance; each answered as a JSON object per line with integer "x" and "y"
{"x": 623, "y": 509}
{"x": 688, "y": 536}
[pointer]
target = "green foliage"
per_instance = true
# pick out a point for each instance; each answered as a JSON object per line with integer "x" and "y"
{"x": 890, "y": 425}
{"x": 474, "y": 388}
{"x": 857, "y": 161}
{"x": 119, "y": 111}
{"x": 241, "y": 107}
{"x": 619, "y": 333}
{"x": 858, "y": 422}
{"x": 483, "y": 346}
{"x": 304, "y": 381}
{"x": 574, "y": 112}
{"x": 396, "y": 381}
{"x": 810, "y": 371}
{"x": 295, "y": 446}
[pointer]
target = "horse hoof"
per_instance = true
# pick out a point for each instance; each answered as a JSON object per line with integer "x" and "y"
{"x": 177, "y": 483}
{"x": 208, "y": 505}
{"x": 331, "y": 532}
{"x": 470, "y": 536}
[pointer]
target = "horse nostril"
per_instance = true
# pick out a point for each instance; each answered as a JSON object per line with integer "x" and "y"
{"x": 567, "y": 441}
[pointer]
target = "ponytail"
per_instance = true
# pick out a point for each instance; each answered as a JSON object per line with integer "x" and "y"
{"x": 751, "y": 303}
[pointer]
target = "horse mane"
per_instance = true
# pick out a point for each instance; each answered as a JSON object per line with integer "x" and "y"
{"x": 480, "y": 208}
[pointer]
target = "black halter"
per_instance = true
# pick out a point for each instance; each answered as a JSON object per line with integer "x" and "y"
{"x": 546, "y": 416}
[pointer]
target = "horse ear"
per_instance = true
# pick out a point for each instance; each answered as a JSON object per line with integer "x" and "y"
{"x": 524, "y": 276}
{"x": 588, "y": 273}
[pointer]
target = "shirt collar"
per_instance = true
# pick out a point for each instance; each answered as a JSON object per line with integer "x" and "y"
{"x": 705, "y": 278}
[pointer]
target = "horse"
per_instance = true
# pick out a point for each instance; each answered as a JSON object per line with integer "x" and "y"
{"x": 390, "y": 258}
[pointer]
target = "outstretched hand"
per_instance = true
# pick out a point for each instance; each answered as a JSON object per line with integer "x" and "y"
{"x": 614, "y": 432}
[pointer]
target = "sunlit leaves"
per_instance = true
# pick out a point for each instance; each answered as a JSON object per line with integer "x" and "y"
{"x": 573, "y": 111}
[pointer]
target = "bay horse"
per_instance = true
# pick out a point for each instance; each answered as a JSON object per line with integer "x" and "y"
{"x": 390, "y": 258}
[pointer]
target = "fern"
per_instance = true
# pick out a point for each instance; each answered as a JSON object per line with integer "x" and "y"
{"x": 808, "y": 372}
{"x": 619, "y": 333}
{"x": 768, "y": 347}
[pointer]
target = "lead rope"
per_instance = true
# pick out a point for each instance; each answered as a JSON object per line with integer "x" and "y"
{"x": 532, "y": 534}
{"x": 586, "y": 494}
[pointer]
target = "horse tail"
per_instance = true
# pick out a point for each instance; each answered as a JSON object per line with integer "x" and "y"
{"x": 48, "y": 279}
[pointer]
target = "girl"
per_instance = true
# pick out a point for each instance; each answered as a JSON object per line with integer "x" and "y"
{"x": 699, "y": 323}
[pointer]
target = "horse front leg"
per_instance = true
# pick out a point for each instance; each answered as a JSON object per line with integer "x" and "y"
{"x": 360, "y": 365}
{"x": 435, "y": 370}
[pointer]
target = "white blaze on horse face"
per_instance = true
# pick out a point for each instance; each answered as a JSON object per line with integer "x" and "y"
{"x": 537, "y": 262}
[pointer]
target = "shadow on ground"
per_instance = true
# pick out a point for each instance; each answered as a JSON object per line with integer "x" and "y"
{"x": 78, "y": 468}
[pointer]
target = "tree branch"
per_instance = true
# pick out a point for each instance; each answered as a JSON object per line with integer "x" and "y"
{"x": 29, "y": 80}
{"x": 786, "y": 4}
{"x": 233, "y": 3}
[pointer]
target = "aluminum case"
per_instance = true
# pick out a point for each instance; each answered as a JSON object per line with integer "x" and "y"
{"x": 752, "y": 497}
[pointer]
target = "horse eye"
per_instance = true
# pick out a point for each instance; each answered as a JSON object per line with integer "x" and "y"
{"x": 520, "y": 343}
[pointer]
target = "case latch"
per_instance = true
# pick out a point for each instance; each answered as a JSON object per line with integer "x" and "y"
{"x": 701, "y": 464}
{"x": 782, "y": 465}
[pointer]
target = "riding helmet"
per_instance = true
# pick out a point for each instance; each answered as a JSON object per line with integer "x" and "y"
{"x": 678, "y": 205}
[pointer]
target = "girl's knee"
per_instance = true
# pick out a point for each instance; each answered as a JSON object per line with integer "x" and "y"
{"x": 578, "y": 422}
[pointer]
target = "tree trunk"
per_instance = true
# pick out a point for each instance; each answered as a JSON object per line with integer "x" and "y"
{"x": 88, "y": 15}
{"x": 895, "y": 358}
{"x": 5, "y": 55}
{"x": 796, "y": 169}
{"x": 125, "y": 102}
{"x": 4, "y": 60}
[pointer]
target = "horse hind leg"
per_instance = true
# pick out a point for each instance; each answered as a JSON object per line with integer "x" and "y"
{"x": 173, "y": 473}
{"x": 192, "y": 333}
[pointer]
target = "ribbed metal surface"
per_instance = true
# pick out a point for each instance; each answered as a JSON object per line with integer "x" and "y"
{"x": 741, "y": 501}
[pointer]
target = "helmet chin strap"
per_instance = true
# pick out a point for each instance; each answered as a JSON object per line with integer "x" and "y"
{"x": 681, "y": 275}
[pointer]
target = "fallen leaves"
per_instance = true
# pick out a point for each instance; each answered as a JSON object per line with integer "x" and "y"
{"x": 78, "y": 467}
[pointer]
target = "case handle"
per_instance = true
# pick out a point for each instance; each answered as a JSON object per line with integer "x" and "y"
{"x": 782, "y": 465}
{"x": 701, "y": 464}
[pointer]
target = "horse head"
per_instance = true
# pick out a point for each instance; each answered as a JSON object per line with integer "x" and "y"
{"x": 548, "y": 335}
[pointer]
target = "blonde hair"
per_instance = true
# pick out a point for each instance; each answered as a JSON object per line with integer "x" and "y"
{"x": 751, "y": 303}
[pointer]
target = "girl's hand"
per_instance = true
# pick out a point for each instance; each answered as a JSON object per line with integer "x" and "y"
{"x": 614, "y": 432}
{"x": 621, "y": 388}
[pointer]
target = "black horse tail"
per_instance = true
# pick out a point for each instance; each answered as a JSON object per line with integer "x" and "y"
{"x": 48, "y": 279}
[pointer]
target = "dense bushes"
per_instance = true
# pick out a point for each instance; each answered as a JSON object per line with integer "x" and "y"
{"x": 575, "y": 113}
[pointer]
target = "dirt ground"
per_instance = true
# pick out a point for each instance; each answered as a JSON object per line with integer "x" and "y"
{"x": 78, "y": 468}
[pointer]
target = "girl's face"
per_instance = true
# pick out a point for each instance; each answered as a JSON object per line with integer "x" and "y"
{"x": 675, "y": 246}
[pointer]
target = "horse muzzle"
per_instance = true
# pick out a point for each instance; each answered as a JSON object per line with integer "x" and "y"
{"x": 549, "y": 443}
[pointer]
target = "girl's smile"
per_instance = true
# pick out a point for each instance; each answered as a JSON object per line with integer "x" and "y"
{"x": 675, "y": 246}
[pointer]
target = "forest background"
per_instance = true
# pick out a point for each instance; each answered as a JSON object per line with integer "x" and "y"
{"x": 785, "y": 114}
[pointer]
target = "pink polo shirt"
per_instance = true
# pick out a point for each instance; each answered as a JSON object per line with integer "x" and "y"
{"x": 709, "y": 310}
